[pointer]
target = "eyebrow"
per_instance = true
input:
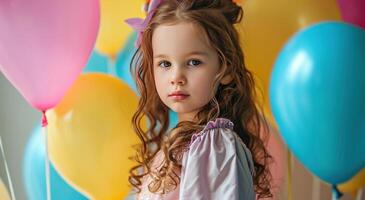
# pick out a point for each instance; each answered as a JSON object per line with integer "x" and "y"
{"x": 201, "y": 53}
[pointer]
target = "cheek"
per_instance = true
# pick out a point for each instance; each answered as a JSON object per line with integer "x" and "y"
{"x": 160, "y": 82}
{"x": 203, "y": 87}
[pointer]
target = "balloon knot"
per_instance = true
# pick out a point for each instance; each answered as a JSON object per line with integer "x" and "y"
{"x": 336, "y": 192}
{"x": 44, "y": 119}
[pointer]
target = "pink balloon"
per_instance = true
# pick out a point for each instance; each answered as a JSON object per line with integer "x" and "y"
{"x": 277, "y": 168}
{"x": 353, "y": 11}
{"x": 44, "y": 45}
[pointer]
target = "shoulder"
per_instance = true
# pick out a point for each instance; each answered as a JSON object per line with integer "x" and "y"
{"x": 217, "y": 165}
{"x": 220, "y": 131}
{"x": 218, "y": 139}
{"x": 217, "y": 126}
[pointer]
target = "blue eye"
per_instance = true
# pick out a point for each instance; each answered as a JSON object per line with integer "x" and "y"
{"x": 164, "y": 64}
{"x": 194, "y": 62}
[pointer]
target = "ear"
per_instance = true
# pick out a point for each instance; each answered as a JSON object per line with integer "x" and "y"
{"x": 226, "y": 79}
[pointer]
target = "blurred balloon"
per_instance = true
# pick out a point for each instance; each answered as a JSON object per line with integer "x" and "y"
{"x": 91, "y": 136}
{"x": 353, "y": 11}
{"x": 123, "y": 62}
{"x": 268, "y": 24}
{"x": 4, "y": 194}
{"x": 97, "y": 63}
{"x": 277, "y": 168}
{"x": 113, "y": 30}
{"x": 276, "y": 149}
{"x": 34, "y": 173}
{"x": 354, "y": 184}
{"x": 173, "y": 119}
{"x": 317, "y": 98}
{"x": 45, "y": 45}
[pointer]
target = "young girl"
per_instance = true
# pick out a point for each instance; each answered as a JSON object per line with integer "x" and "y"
{"x": 189, "y": 61}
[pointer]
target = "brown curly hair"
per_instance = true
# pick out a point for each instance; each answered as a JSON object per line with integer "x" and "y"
{"x": 235, "y": 101}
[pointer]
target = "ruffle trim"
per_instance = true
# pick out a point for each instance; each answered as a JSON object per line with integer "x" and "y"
{"x": 218, "y": 123}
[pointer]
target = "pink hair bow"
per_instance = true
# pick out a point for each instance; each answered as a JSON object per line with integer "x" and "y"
{"x": 139, "y": 25}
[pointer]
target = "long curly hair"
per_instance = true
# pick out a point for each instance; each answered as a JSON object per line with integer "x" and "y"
{"x": 236, "y": 101}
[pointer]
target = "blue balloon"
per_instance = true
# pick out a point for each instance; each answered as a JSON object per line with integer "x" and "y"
{"x": 123, "y": 62}
{"x": 34, "y": 173}
{"x": 173, "y": 119}
{"x": 97, "y": 63}
{"x": 317, "y": 95}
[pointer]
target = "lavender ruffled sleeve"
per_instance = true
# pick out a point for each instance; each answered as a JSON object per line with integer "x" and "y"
{"x": 217, "y": 165}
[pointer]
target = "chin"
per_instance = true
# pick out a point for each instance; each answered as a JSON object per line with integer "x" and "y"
{"x": 181, "y": 110}
{"x": 178, "y": 110}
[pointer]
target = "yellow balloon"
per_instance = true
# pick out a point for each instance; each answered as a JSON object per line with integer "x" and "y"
{"x": 354, "y": 184}
{"x": 91, "y": 136}
{"x": 4, "y": 194}
{"x": 113, "y": 31}
{"x": 268, "y": 24}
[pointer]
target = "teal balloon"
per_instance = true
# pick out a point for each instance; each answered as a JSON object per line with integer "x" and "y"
{"x": 34, "y": 173}
{"x": 123, "y": 61}
{"x": 173, "y": 119}
{"x": 97, "y": 63}
{"x": 317, "y": 95}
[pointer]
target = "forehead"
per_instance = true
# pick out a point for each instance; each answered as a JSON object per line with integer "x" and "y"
{"x": 178, "y": 39}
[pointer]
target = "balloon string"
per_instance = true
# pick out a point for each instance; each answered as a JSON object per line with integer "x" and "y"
{"x": 359, "y": 195}
{"x": 289, "y": 163}
{"x": 316, "y": 189}
{"x": 336, "y": 194}
{"x": 7, "y": 171}
{"x": 45, "y": 134}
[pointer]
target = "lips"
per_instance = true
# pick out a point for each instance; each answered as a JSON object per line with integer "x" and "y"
{"x": 178, "y": 93}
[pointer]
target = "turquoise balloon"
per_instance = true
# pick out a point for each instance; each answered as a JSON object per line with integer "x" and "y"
{"x": 97, "y": 63}
{"x": 123, "y": 62}
{"x": 317, "y": 95}
{"x": 34, "y": 173}
{"x": 173, "y": 119}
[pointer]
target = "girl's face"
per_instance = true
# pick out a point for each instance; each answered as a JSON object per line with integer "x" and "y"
{"x": 184, "y": 67}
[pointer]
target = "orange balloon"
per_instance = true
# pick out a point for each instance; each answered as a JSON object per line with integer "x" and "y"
{"x": 268, "y": 24}
{"x": 4, "y": 194}
{"x": 91, "y": 136}
{"x": 354, "y": 184}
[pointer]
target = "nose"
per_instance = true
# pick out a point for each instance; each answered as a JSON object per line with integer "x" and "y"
{"x": 177, "y": 76}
